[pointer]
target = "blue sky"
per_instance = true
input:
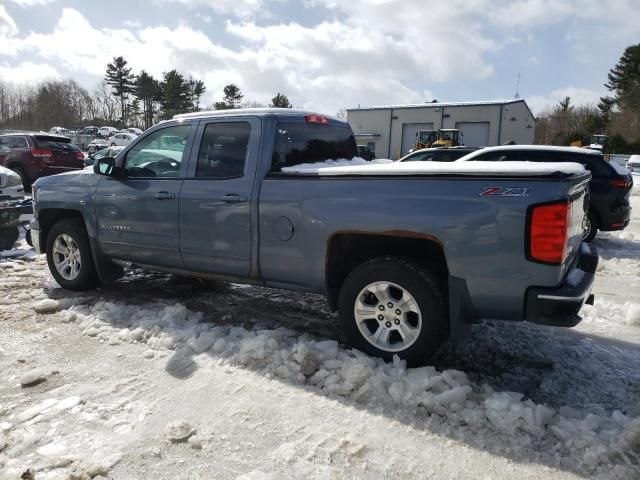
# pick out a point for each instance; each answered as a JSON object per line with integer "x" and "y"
{"x": 331, "y": 54}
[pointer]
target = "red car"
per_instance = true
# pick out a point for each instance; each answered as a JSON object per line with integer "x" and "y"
{"x": 35, "y": 155}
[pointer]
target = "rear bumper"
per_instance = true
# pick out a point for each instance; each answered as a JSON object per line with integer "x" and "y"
{"x": 617, "y": 220}
{"x": 560, "y": 306}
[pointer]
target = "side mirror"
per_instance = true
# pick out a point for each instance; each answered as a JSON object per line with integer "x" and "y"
{"x": 105, "y": 166}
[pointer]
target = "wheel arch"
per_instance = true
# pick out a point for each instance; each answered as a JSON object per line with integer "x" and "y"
{"x": 106, "y": 270}
{"x": 347, "y": 250}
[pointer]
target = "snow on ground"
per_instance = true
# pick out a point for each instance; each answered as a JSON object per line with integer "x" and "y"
{"x": 159, "y": 377}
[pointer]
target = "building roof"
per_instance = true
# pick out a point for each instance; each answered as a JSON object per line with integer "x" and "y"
{"x": 439, "y": 104}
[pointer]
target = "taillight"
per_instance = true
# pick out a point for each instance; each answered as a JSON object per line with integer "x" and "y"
{"x": 620, "y": 183}
{"x": 549, "y": 232}
{"x": 41, "y": 153}
{"x": 316, "y": 119}
{"x": 80, "y": 155}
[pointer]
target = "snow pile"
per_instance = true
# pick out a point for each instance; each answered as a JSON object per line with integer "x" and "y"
{"x": 337, "y": 372}
{"x": 612, "y": 314}
{"x": 358, "y": 166}
{"x": 339, "y": 162}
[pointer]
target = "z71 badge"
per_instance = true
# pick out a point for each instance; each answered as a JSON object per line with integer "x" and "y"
{"x": 506, "y": 192}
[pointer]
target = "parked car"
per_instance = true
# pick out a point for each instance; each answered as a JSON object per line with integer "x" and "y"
{"x": 122, "y": 139}
{"x": 365, "y": 153}
{"x": 633, "y": 164}
{"x": 97, "y": 144}
{"x": 10, "y": 184}
{"x": 135, "y": 131}
{"x": 437, "y": 154}
{"x": 105, "y": 152}
{"x": 408, "y": 254}
{"x": 35, "y": 155}
{"x": 59, "y": 131}
{"x": 610, "y": 185}
{"x": 106, "y": 132}
{"x": 92, "y": 131}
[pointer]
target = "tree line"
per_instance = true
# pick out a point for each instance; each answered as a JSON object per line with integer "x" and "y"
{"x": 122, "y": 99}
{"x": 617, "y": 115}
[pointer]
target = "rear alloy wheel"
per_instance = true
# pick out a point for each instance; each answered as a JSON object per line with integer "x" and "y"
{"x": 69, "y": 256}
{"x": 393, "y": 306}
{"x": 589, "y": 227}
{"x": 387, "y": 316}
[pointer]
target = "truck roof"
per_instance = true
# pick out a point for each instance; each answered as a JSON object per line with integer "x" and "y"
{"x": 252, "y": 111}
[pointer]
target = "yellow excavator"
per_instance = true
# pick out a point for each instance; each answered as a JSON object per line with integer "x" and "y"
{"x": 594, "y": 142}
{"x": 425, "y": 138}
{"x": 445, "y": 137}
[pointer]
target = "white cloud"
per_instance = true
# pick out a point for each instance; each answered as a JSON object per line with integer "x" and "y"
{"x": 30, "y": 3}
{"x": 579, "y": 96}
{"x": 28, "y": 72}
{"x": 238, "y": 8}
{"x": 7, "y": 25}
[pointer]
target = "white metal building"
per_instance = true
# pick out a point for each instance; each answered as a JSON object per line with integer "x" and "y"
{"x": 390, "y": 131}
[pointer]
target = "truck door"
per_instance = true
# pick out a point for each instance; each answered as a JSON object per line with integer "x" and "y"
{"x": 137, "y": 213}
{"x": 216, "y": 198}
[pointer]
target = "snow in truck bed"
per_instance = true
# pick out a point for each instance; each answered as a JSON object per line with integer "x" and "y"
{"x": 359, "y": 166}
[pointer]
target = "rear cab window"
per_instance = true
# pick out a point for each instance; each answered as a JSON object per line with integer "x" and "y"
{"x": 54, "y": 143}
{"x": 302, "y": 142}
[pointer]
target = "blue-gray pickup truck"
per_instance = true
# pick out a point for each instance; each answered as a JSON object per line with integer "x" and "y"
{"x": 409, "y": 255}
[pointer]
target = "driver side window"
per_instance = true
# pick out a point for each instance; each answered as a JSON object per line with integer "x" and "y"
{"x": 158, "y": 155}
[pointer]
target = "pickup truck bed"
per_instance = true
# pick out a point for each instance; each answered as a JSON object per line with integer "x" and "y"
{"x": 409, "y": 255}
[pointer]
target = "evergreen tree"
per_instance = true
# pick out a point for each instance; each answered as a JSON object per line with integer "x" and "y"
{"x": 147, "y": 90}
{"x": 606, "y": 108}
{"x": 119, "y": 76}
{"x": 624, "y": 79}
{"x": 232, "y": 98}
{"x": 196, "y": 90}
{"x": 175, "y": 94}
{"x": 281, "y": 101}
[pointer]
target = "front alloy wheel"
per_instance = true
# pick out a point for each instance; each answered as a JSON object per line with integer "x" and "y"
{"x": 69, "y": 255}
{"x": 66, "y": 257}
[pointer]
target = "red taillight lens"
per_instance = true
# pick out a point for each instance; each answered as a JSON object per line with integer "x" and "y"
{"x": 41, "y": 153}
{"x": 619, "y": 183}
{"x": 316, "y": 119}
{"x": 80, "y": 155}
{"x": 549, "y": 230}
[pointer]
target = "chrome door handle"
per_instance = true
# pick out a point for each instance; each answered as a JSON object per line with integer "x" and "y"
{"x": 165, "y": 196}
{"x": 233, "y": 198}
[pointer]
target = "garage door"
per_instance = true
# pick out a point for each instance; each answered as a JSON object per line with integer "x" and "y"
{"x": 474, "y": 134}
{"x": 409, "y": 131}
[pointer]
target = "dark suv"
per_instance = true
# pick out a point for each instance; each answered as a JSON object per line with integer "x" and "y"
{"x": 35, "y": 155}
{"x": 610, "y": 185}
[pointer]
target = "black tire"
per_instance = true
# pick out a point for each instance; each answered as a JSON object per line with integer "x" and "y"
{"x": 591, "y": 228}
{"x": 113, "y": 144}
{"x": 26, "y": 181}
{"x": 86, "y": 278}
{"x": 8, "y": 237}
{"x": 421, "y": 284}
